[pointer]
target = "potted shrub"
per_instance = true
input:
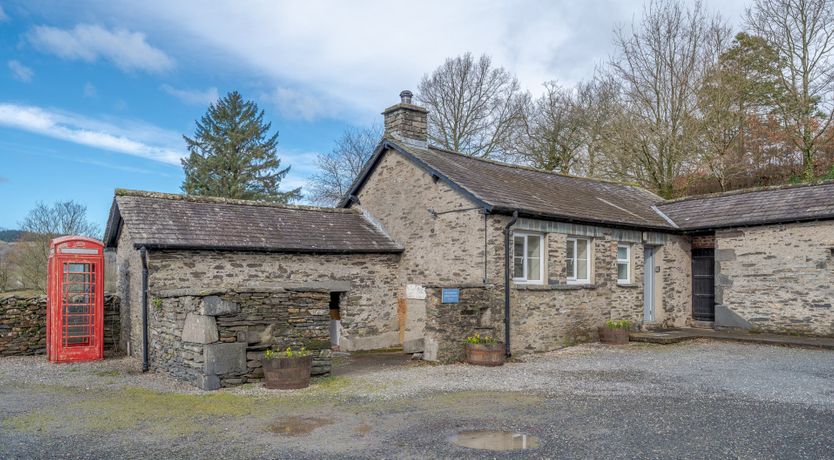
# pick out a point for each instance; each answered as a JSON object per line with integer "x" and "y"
{"x": 288, "y": 369}
{"x": 615, "y": 332}
{"x": 484, "y": 350}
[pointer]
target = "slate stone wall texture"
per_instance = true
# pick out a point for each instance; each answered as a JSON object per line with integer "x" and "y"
{"x": 780, "y": 278}
{"x": 129, "y": 289}
{"x": 449, "y": 251}
{"x": 23, "y": 324}
{"x": 480, "y": 310}
{"x": 195, "y": 341}
{"x": 439, "y": 250}
{"x": 368, "y": 306}
{"x": 546, "y": 317}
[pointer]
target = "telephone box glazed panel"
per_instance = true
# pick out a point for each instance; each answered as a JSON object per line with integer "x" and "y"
{"x": 75, "y": 299}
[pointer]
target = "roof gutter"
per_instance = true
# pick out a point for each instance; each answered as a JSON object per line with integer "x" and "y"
{"x": 211, "y": 247}
{"x": 512, "y": 222}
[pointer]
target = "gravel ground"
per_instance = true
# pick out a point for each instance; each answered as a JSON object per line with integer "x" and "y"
{"x": 695, "y": 400}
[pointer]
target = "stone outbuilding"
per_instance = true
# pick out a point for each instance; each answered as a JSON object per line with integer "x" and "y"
{"x": 429, "y": 246}
{"x": 219, "y": 281}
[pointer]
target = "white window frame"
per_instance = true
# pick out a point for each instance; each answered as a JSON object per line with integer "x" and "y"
{"x": 573, "y": 278}
{"x": 626, "y": 261}
{"x": 525, "y": 279}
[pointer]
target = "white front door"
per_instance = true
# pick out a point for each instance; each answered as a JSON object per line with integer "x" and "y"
{"x": 648, "y": 285}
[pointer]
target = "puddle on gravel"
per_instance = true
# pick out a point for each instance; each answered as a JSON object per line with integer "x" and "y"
{"x": 495, "y": 440}
{"x": 298, "y": 426}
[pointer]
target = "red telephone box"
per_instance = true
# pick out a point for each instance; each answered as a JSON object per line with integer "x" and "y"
{"x": 75, "y": 299}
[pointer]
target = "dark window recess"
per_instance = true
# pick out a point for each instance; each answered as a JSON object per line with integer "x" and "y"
{"x": 703, "y": 284}
{"x": 335, "y": 299}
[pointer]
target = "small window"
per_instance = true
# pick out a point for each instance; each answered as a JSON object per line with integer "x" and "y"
{"x": 623, "y": 264}
{"x": 528, "y": 253}
{"x": 577, "y": 259}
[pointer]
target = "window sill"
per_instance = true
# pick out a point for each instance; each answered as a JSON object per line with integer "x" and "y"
{"x": 553, "y": 287}
{"x": 628, "y": 285}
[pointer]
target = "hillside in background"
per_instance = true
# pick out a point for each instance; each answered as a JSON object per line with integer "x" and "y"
{"x": 11, "y": 236}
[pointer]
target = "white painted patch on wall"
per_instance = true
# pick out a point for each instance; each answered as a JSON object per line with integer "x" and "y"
{"x": 415, "y": 291}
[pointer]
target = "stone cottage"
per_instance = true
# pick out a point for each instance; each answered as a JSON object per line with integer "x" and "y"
{"x": 429, "y": 246}
{"x": 208, "y": 284}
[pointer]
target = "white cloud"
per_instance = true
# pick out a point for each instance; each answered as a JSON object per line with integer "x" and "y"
{"x": 193, "y": 96}
{"x": 90, "y": 90}
{"x": 88, "y": 42}
{"x": 132, "y": 138}
{"x": 20, "y": 71}
{"x": 295, "y": 104}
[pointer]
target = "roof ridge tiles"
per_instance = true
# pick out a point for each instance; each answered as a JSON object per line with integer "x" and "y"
{"x": 220, "y": 200}
{"x": 743, "y": 191}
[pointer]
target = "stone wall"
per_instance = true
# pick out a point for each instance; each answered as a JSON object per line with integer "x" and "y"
{"x": 23, "y": 324}
{"x": 368, "y": 306}
{"x": 215, "y": 338}
{"x": 673, "y": 292}
{"x": 556, "y": 314}
{"x": 461, "y": 248}
{"x": 480, "y": 310}
{"x": 129, "y": 289}
{"x": 439, "y": 250}
{"x": 778, "y": 278}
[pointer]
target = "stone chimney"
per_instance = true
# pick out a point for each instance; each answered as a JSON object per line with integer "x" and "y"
{"x": 406, "y": 122}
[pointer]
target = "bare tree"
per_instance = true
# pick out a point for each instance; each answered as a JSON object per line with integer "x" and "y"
{"x": 802, "y": 34}
{"x": 474, "y": 107}
{"x": 598, "y": 100}
{"x": 338, "y": 169}
{"x": 553, "y": 134}
{"x": 660, "y": 63}
{"x": 41, "y": 225}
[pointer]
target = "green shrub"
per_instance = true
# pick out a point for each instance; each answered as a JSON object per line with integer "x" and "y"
{"x": 477, "y": 338}
{"x": 618, "y": 324}
{"x": 286, "y": 353}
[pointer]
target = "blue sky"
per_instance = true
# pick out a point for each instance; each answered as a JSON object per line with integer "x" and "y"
{"x": 95, "y": 95}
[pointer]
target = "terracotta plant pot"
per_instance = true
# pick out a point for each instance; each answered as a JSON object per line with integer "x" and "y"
{"x": 485, "y": 354}
{"x": 613, "y": 336}
{"x": 287, "y": 373}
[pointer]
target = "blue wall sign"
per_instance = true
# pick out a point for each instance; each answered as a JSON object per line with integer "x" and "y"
{"x": 450, "y": 295}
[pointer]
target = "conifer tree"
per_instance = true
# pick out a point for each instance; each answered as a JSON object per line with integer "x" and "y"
{"x": 232, "y": 154}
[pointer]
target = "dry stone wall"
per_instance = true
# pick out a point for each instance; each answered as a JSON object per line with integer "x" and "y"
{"x": 23, "y": 324}
{"x": 779, "y": 278}
{"x": 215, "y": 338}
{"x": 480, "y": 310}
{"x": 368, "y": 306}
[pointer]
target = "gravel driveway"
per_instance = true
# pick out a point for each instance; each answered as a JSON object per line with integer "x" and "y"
{"x": 693, "y": 400}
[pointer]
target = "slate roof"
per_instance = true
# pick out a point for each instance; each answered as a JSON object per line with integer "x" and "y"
{"x": 753, "y": 207}
{"x": 167, "y": 221}
{"x": 504, "y": 188}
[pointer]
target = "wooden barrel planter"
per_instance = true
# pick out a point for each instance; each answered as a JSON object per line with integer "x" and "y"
{"x": 613, "y": 336}
{"x": 287, "y": 373}
{"x": 485, "y": 354}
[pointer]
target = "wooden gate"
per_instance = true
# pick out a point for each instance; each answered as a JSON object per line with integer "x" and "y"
{"x": 703, "y": 284}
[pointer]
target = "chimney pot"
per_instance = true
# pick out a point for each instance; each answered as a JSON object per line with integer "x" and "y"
{"x": 407, "y": 122}
{"x": 405, "y": 96}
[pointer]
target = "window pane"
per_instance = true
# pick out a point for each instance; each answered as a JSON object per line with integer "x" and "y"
{"x": 571, "y": 265}
{"x": 582, "y": 250}
{"x": 534, "y": 269}
{"x": 622, "y": 252}
{"x": 518, "y": 267}
{"x": 622, "y": 272}
{"x": 518, "y": 246}
{"x": 570, "y": 251}
{"x": 581, "y": 269}
{"x": 533, "y": 245}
